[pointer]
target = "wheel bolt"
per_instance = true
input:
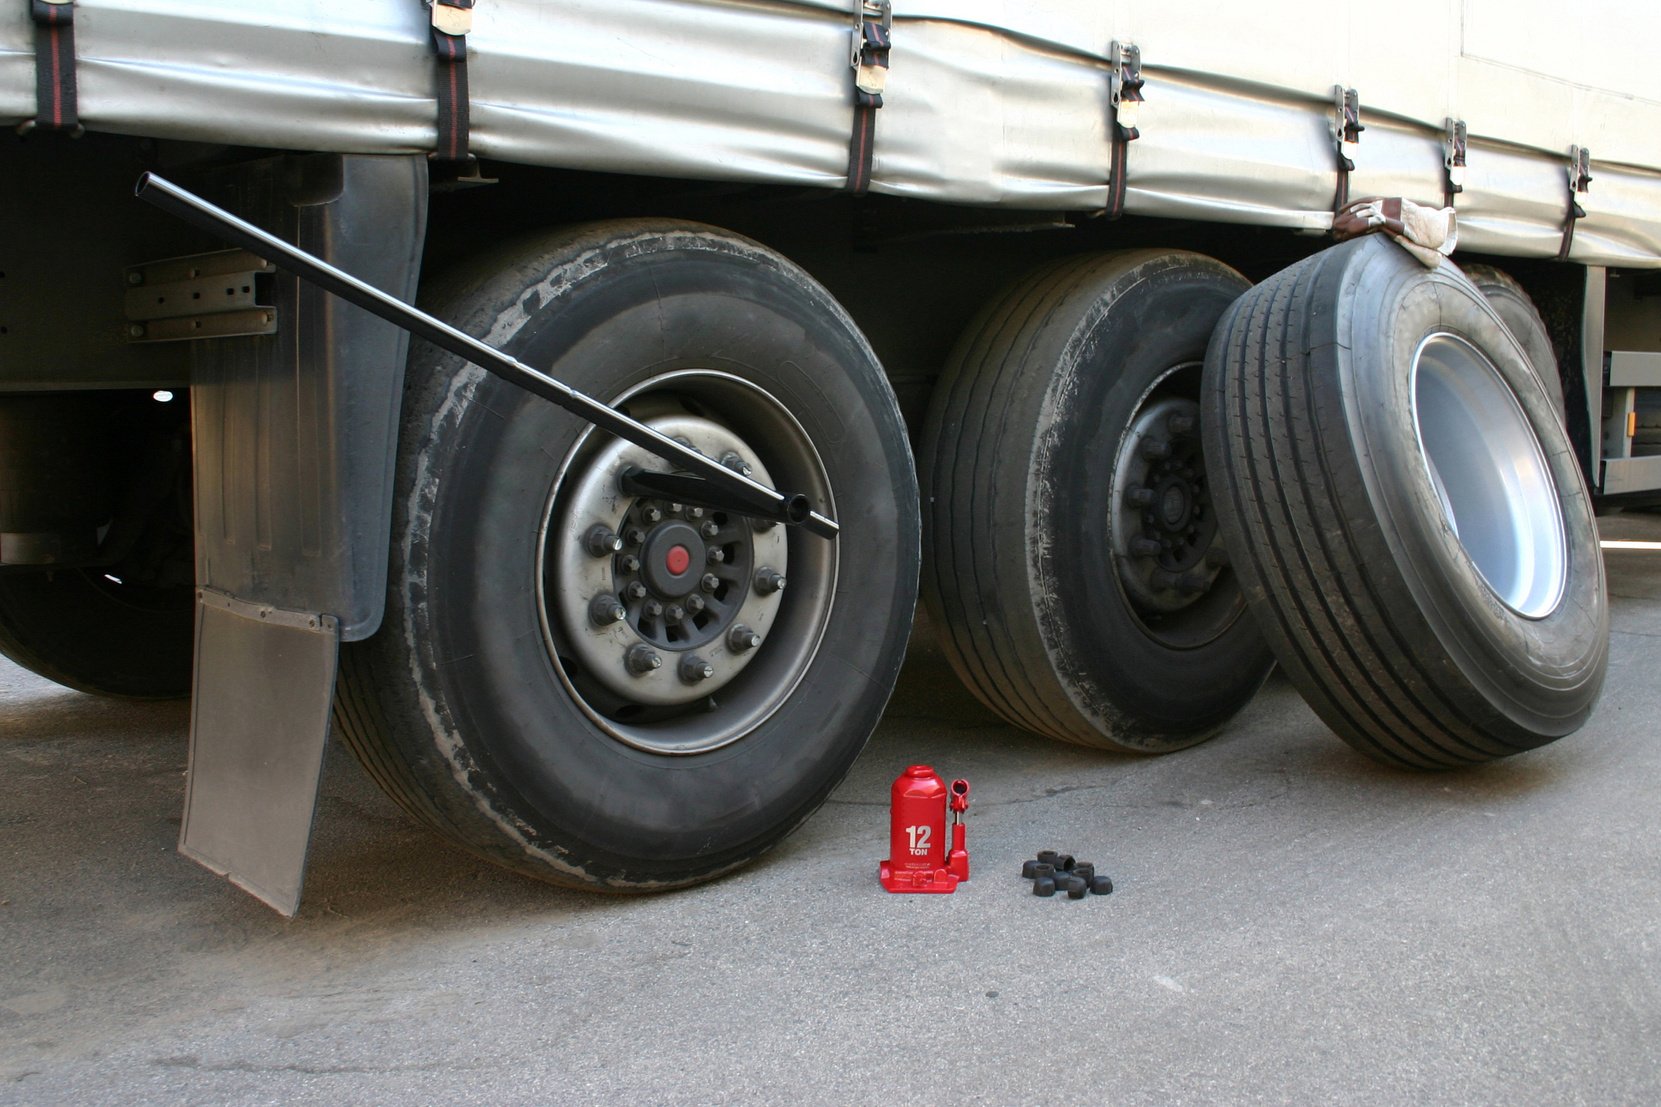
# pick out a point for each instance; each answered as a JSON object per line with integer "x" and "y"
{"x": 636, "y": 590}
{"x": 768, "y": 581}
{"x": 741, "y": 638}
{"x": 675, "y": 509}
{"x": 652, "y": 609}
{"x": 717, "y": 555}
{"x": 630, "y": 563}
{"x": 695, "y": 603}
{"x": 652, "y": 513}
{"x": 1139, "y": 497}
{"x": 1180, "y": 425}
{"x": 601, "y": 541}
{"x": 694, "y": 668}
{"x": 709, "y": 529}
{"x": 675, "y": 613}
{"x": 605, "y": 610}
{"x": 694, "y": 513}
{"x": 1144, "y": 547}
{"x": 641, "y": 659}
{"x": 634, "y": 536}
{"x": 710, "y": 582}
{"x": 1155, "y": 449}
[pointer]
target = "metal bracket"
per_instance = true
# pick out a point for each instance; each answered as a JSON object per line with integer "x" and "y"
{"x": 1124, "y": 85}
{"x": 215, "y": 295}
{"x": 1453, "y": 155}
{"x": 1347, "y": 126}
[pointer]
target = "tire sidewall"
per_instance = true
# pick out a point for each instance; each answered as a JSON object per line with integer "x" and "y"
{"x": 1543, "y": 674}
{"x": 604, "y": 320}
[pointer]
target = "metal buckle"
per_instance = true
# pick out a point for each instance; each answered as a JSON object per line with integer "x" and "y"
{"x": 1453, "y": 154}
{"x": 1348, "y": 128}
{"x": 1124, "y": 82}
{"x": 451, "y": 20}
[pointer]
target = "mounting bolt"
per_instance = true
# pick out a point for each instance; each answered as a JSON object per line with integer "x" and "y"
{"x": 1139, "y": 497}
{"x": 674, "y": 613}
{"x": 652, "y": 513}
{"x": 710, "y": 582}
{"x": 732, "y": 461}
{"x": 1155, "y": 449}
{"x": 716, "y": 555}
{"x": 768, "y": 581}
{"x": 675, "y": 509}
{"x": 601, "y": 541}
{"x": 641, "y": 659}
{"x": 741, "y": 638}
{"x": 694, "y": 668}
{"x": 651, "y": 609}
{"x": 694, "y": 513}
{"x": 634, "y": 536}
{"x": 695, "y": 604}
{"x": 605, "y": 610}
{"x": 630, "y": 563}
{"x": 709, "y": 529}
{"x": 636, "y": 590}
{"x": 136, "y": 331}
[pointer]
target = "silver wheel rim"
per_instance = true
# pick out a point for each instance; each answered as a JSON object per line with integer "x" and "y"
{"x": 679, "y": 629}
{"x": 1484, "y": 462}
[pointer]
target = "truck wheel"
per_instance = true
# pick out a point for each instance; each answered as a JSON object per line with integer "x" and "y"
{"x": 1404, "y": 509}
{"x": 604, "y": 690}
{"x": 81, "y": 630}
{"x": 1512, "y": 304}
{"x": 1072, "y": 559}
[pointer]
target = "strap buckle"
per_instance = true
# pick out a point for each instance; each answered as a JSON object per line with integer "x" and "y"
{"x": 869, "y": 55}
{"x": 1124, "y": 85}
{"x": 1453, "y": 155}
{"x": 452, "y": 17}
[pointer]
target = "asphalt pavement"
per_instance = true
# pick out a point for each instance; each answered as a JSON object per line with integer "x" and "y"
{"x": 1290, "y": 924}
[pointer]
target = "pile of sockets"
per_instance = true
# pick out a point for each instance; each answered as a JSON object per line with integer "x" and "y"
{"x": 1053, "y": 871}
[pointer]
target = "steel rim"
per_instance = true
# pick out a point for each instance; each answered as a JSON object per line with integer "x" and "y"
{"x": 1168, "y": 557}
{"x": 679, "y": 629}
{"x": 1489, "y": 474}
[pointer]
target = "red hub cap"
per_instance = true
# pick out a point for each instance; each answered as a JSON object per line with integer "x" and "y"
{"x": 677, "y": 559}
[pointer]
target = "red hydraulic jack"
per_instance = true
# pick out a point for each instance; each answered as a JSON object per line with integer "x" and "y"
{"x": 918, "y": 861}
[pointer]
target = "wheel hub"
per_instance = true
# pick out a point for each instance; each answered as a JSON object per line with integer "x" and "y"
{"x": 1163, "y": 531}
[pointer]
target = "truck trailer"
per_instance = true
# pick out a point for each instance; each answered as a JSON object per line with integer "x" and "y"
{"x": 1031, "y": 307}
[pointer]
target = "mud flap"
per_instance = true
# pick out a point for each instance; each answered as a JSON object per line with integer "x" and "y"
{"x": 259, "y": 723}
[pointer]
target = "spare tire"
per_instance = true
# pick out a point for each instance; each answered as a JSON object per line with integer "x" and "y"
{"x": 1404, "y": 510}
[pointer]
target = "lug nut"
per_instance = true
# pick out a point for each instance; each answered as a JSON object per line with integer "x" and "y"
{"x": 601, "y": 541}
{"x": 652, "y": 609}
{"x": 652, "y": 513}
{"x": 1048, "y": 857}
{"x": 741, "y": 638}
{"x": 1139, "y": 497}
{"x": 694, "y": 668}
{"x": 716, "y": 555}
{"x": 1144, "y": 547}
{"x": 634, "y": 536}
{"x": 709, "y": 529}
{"x": 636, "y": 590}
{"x": 605, "y": 610}
{"x": 1043, "y": 886}
{"x": 1101, "y": 885}
{"x": 769, "y": 581}
{"x": 694, "y": 513}
{"x": 1155, "y": 449}
{"x": 710, "y": 582}
{"x": 675, "y": 509}
{"x": 641, "y": 659}
{"x": 630, "y": 563}
{"x": 675, "y": 613}
{"x": 695, "y": 604}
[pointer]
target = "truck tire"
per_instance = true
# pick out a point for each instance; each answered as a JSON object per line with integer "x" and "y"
{"x": 1512, "y": 304}
{"x": 75, "y": 627}
{"x": 510, "y": 699}
{"x": 1404, "y": 509}
{"x": 1072, "y": 564}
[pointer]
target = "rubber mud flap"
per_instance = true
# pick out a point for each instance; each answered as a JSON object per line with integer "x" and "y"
{"x": 1409, "y": 523}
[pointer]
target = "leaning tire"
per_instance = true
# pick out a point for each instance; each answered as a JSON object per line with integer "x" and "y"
{"x": 92, "y": 634}
{"x": 1404, "y": 510}
{"x": 1072, "y": 562}
{"x": 505, "y": 701}
{"x": 1516, "y": 310}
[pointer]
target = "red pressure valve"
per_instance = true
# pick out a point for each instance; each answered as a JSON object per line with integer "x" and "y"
{"x": 918, "y": 860}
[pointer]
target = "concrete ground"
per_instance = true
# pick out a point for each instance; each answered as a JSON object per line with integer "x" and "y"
{"x": 1291, "y": 924}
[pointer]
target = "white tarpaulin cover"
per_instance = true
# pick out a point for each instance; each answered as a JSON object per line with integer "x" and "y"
{"x": 991, "y": 102}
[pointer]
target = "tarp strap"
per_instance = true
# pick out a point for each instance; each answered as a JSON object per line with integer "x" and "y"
{"x": 54, "y": 66}
{"x": 1580, "y": 182}
{"x": 1348, "y": 127}
{"x": 1124, "y": 95}
{"x": 872, "y": 38}
{"x": 452, "y": 19}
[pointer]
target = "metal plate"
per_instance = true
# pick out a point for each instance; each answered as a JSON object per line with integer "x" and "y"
{"x": 259, "y": 721}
